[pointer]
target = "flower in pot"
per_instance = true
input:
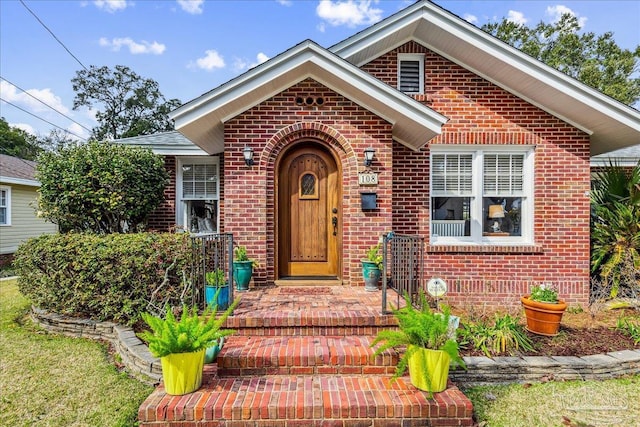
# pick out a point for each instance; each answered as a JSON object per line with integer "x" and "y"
{"x": 216, "y": 289}
{"x": 428, "y": 341}
{"x": 242, "y": 268}
{"x": 181, "y": 344}
{"x": 543, "y": 310}
{"x": 372, "y": 268}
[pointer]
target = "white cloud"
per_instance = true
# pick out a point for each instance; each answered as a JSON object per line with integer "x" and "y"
{"x": 241, "y": 64}
{"x": 556, "y": 12}
{"x": 210, "y": 61}
{"x": 111, "y": 6}
{"x": 285, "y": 2}
{"x": 135, "y": 48}
{"x": 260, "y": 58}
{"x": 193, "y": 7}
{"x": 470, "y": 18}
{"x": 516, "y": 17}
{"x": 321, "y": 27}
{"x": 12, "y": 94}
{"x": 76, "y": 129}
{"x": 25, "y": 127}
{"x": 349, "y": 12}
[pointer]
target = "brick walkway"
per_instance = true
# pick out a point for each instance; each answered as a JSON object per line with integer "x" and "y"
{"x": 302, "y": 357}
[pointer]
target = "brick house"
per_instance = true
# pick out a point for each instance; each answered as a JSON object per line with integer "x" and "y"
{"x": 477, "y": 147}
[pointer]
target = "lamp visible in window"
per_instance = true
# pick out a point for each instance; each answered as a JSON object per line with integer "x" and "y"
{"x": 368, "y": 156}
{"x": 496, "y": 212}
{"x": 248, "y": 155}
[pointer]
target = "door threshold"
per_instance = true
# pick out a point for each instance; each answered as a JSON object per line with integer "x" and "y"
{"x": 308, "y": 281}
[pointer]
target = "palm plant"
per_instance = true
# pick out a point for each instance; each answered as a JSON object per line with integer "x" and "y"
{"x": 615, "y": 228}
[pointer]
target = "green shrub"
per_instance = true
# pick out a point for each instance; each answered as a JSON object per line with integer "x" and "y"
{"x": 630, "y": 326}
{"x": 111, "y": 277}
{"x": 503, "y": 336}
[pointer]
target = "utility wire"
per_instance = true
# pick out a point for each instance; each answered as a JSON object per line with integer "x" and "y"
{"x": 53, "y": 35}
{"x": 47, "y": 105}
{"x": 44, "y": 120}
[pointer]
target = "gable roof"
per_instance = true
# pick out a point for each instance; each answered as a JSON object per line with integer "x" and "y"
{"x": 610, "y": 123}
{"x": 202, "y": 119}
{"x": 629, "y": 156}
{"x": 171, "y": 143}
{"x": 14, "y": 170}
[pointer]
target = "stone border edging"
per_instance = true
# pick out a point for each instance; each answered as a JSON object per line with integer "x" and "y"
{"x": 480, "y": 370}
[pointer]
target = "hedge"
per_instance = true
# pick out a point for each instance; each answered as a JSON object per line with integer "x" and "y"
{"x": 105, "y": 277}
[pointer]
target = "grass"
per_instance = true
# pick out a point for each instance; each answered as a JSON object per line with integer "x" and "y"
{"x": 52, "y": 380}
{"x": 585, "y": 403}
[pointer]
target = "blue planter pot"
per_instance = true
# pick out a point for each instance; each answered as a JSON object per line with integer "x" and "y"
{"x": 213, "y": 296}
{"x": 211, "y": 353}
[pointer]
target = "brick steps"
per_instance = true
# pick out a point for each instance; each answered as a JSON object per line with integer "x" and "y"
{"x": 304, "y": 400}
{"x": 308, "y": 355}
{"x": 305, "y": 360}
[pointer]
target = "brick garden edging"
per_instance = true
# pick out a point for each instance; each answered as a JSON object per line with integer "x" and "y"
{"x": 480, "y": 370}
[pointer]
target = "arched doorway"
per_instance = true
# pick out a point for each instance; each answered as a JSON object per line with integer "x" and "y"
{"x": 309, "y": 213}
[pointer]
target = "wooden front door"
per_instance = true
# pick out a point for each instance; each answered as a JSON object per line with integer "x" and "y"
{"x": 309, "y": 213}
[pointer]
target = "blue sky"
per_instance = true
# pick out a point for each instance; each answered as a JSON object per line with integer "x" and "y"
{"x": 191, "y": 47}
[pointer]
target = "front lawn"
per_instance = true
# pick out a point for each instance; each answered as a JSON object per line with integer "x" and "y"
{"x": 51, "y": 380}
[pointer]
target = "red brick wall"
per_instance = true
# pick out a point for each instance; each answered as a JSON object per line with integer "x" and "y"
{"x": 482, "y": 113}
{"x": 164, "y": 217}
{"x": 343, "y": 126}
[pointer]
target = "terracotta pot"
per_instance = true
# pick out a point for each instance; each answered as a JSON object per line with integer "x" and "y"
{"x": 543, "y": 318}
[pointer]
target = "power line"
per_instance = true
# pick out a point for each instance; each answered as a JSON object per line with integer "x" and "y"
{"x": 44, "y": 120}
{"x": 53, "y": 35}
{"x": 47, "y": 105}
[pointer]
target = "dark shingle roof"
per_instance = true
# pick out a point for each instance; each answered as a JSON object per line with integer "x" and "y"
{"x": 14, "y": 167}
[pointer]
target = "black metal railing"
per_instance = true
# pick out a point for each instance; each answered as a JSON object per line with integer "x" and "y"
{"x": 211, "y": 252}
{"x": 403, "y": 267}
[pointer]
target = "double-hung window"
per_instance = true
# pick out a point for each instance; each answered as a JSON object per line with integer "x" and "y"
{"x": 198, "y": 195}
{"x": 481, "y": 195}
{"x": 5, "y": 205}
{"x": 411, "y": 73}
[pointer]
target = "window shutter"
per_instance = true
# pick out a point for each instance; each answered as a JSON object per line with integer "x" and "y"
{"x": 410, "y": 76}
{"x": 503, "y": 174}
{"x": 451, "y": 175}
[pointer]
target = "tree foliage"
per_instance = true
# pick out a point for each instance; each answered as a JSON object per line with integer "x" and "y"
{"x": 100, "y": 187}
{"x": 127, "y": 104}
{"x": 615, "y": 229}
{"x": 18, "y": 143}
{"x": 594, "y": 60}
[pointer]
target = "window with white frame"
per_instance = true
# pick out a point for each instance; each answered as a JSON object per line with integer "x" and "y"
{"x": 411, "y": 73}
{"x": 198, "y": 195}
{"x": 481, "y": 195}
{"x": 5, "y": 205}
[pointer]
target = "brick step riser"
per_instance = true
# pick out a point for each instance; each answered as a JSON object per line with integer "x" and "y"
{"x": 307, "y": 370}
{"x": 297, "y": 331}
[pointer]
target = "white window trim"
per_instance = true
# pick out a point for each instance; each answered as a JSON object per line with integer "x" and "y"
{"x": 476, "y": 238}
{"x": 8, "y": 207}
{"x": 413, "y": 57}
{"x": 181, "y": 214}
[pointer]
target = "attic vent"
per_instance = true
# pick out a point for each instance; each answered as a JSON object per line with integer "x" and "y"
{"x": 309, "y": 101}
{"x": 411, "y": 74}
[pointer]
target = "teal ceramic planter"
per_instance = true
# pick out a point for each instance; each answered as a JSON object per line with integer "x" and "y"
{"x": 242, "y": 272}
{"x": 371, "y": 274}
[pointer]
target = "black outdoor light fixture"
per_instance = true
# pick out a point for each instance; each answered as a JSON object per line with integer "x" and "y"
{"x": 248, "y": 155}
{"x": 368, "y": 156}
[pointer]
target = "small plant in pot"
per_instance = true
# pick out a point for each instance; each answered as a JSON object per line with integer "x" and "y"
{"x": 216, "y": 289}
{"x": 180, "y": 343}
{"x": 543, "y": 310}
{"x": 242, "y": 268}
{"x": 372, "y": 268}
{"x": 428, "y": 341}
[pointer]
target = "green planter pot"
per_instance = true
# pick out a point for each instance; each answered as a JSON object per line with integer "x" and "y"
{"x": 242, "y": 272}
{"x": 371, "y": 274}
{"x": 182, "y": 372}
{"x": 211, "y": 354}
{"x": 429, "y": 369}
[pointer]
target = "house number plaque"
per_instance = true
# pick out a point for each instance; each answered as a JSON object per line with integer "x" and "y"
{"x": 368, "y": 178}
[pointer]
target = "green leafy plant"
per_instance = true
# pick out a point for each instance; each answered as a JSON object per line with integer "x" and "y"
{"x": 631, "y": 327}
{"x": 544, "y": 293}
{"x": 190, "y": 333}
{"x": 215, "y": 278}
{"x": 240, "y": 255}
{"x": 373, "y": 254}
{"x": 504, "y": 335}
{"x": 420, "y": 327}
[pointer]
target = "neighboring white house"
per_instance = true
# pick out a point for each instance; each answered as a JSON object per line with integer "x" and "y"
{"x": 18, "y": 198}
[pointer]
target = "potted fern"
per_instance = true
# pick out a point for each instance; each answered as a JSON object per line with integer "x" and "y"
{"x": 372, "y": 268}
{"x": 428, "y": 341}
{"x": 242, "y": 268}
{"x": 180, "y": 343}
{"x": 216, "y": 289}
